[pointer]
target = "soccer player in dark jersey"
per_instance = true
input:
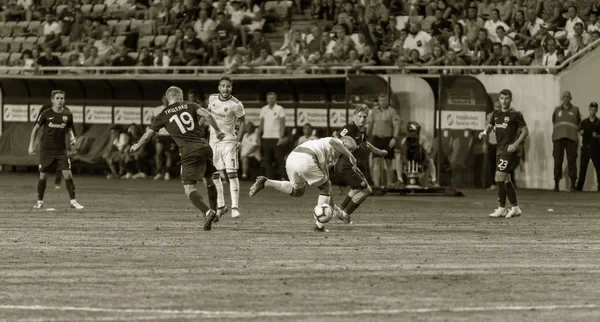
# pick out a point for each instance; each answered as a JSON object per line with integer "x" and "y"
{"x": 58, "y": 123}
{"x": 58, "y": 178}
{"x": 180, "y": 119}
{"x": 511, "y": 130}
{"x": 360, "y": 188}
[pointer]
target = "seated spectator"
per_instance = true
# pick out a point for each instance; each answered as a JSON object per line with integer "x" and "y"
{"x": 264, "y": 59}
{"x": 472, "y": 23}
{"x": 49, "y": 60}
{"x": 551, "y": 55}
{"x": 28, "y": 63}
{"x": 507, "y": 41}
{"x": 106, "y": 46}
{"x": 16, "y": 11}
{"x": 572, "y": 20}
{"x": 232, "y": 61}
{"x": 292, "y": 48}
{"x": 492, "y": 25}
{"x": 593, "y": 24}
{"x": 67, "y": 16}
{"x": 115, "y": 154}
{"x": 224, "y": 37}
{"x": 519, "y": 29}
{"x": 353, "y": 59}
{"x": 258, "y": 44}
{"x": 343, "y": 40}
{"x": 163, "y": 19}
{"x": 327, "y": 44}
{"x": 308, "y": 134}
{"x": 193, "y": 52}
{"x": 92, "y": 58}
{"x": 537, "y": 60}
{"x": 374, "y": 10}
{"x": 508, "y": 59}
{"x": 452, "y": 59}
{"x": 441, "y": 26}
{"x": 160, "y": 58}
{"x": 534, "y": 26}
{"x": 419, "y": 40}
{"x": 123, "y": 59}
{"x": 437, "y": 58}
{"x": 134, "y": 162}
{"x": 204, "y": 27}
{"x": 495, "y": 57}
{"x": 50, "y": 27}
{"x": 458, "y": 42}
{"x": 250, "y": 149}
{"x": 145, "y": 58}
{"x": 579, "y": 40}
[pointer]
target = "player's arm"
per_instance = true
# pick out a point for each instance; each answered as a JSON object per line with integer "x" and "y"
{"x": 34, "y": 131}
{"x": 143, "y": 140}
{"x": 524, "y": 132}
{"x": 70, "y": 132}
{"x": 488, "y": 128}
{"x": 371, "y": 148}
{"x": 211, "y": 121}
{"x": 337, "y": 145}
{"x": 241, "y": 121}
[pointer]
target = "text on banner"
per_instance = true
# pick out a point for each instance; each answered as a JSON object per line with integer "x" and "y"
{"x": 15, "y": 113}
{"x": 463, "y": 120}
{"x": 127, "y": 115}
{"x": 98, "y": 115}
{"x": 317, "y": 117}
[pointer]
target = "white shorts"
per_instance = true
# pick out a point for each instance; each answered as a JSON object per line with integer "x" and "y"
{"x": 225, "y": 155}
{"x": 301, "y": 168}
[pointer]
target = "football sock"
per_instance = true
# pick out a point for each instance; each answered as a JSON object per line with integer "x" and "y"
{"x": 346, "y": 201}
{"x": 41, "y": 188}
{"x": 351, "y": 207}
{"x": 283, "y": 186}
{"x": 324, "y": 199}
{"x": 198, "y": 201}
{"x": 220, "y": 195}
{"x": 212, "y": 196}
{"x": 511, "y": 193}
{"x": 58, "y": 178}
{"x": 377, "y": 172}
{"x": 234, "y": 188}
{"x": 433, "y": 171}
{"x": 70, "y": 188}
{"x": 501, "y": 193}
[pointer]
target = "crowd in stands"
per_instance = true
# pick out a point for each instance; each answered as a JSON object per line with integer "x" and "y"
{"x": 342, "y": 32}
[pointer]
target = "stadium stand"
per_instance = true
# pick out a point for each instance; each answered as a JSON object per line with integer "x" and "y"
{"x": 323, "y": 33}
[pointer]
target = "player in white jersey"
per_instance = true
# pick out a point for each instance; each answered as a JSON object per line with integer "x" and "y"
{"x": 310, "y": 163}
{"x": 228, "y": 112}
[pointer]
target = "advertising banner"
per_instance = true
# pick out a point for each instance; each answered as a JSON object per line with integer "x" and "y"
{"x": 98, "y": 115}
{"x": 127, "y": 115}
{"x": 15, "y": 113}
{"x": 317, "y": 117}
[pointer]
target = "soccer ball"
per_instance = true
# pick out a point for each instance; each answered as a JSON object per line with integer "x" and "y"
{"x": 323, "y": 213}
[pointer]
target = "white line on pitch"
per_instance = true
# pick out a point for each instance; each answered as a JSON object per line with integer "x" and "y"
{"x": 250, "y": 314}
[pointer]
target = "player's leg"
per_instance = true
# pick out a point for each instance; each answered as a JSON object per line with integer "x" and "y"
{"x": 193, "y": 168}
{"x": 268, "y": 156}
{"x": 245, "y": 167}
{"x": 219, "y": 167}
{"x": 324, "y": 198}
{"x": 210, "y": 185}
{"x": 399, "y": 166}
{"x": 583, "y": 165}
{"x": 64, "y": 165}
{"x": 360, "y": 191}
{"x": 41, "y": 186}
{"x": 596, "y": 162}
{"x": 57, "y": 180}
{"x": 159, "y": 158}
{"x": 230, "y": 159}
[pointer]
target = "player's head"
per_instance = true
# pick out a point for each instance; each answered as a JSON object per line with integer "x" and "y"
{"x": 505, "y": 98}
{"x": 361, "y": 112}
{"x": 225, "y": 86}
{"x": 58, "y": 98}
{"x": 174, "y": 94}
{"x": 593, "y": 108}
{"x": 383, "y": 101}
{"x": 349, "y": 143}
{"x": 271, "y": 98}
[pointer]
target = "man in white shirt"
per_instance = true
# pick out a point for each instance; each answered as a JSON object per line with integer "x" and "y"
{"x": 50, "y": 26}
{"x": 417, "y": 39}
{"x": 492, "y": 25}
{"x": 505, "y": 40}
{"x": 204, "y": 27}
{"x": 571, "y": 21}
{"x": 272, "y": 133}
{"x": 579, "y": 40}
{"x": 250, "y": 149}
{"x": 551, "y": 56}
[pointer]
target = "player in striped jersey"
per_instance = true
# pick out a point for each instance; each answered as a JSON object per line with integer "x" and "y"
{"x": 228, "y": 112}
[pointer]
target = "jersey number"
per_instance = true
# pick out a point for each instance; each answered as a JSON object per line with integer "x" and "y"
{"x": 502, "y": 164}
{"x": 184, "y": 121}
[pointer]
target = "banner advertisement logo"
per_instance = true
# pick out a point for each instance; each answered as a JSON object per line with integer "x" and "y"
{"x": 77, "y": 112}
{"x": 34, "y": 112}
{"x": 16, "y": 113}
{"x": 317, "y": 117}
{"x": 337, "y": 117}
{"x": 98, "y": 115}
{"x": 463, "y": 120}
{"x": 127, "y": 115}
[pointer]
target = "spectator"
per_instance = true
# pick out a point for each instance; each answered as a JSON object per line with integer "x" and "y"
{"x": 472, "y": 23}
{"x": 123, "y": 59}
{"x": 452, "y": 59}
{"x": 327, "y": 44}
{"x": 204, "y": 27}
{"x": 193, "y": 51}
{"x": 572, "y": 20}
{"x": 551, "y": 56}
{"x": 224, "y": 37}
{"x": 593, "y": 23}
{"x": 16, "y": 11}
{"x": 590, "y": 146}
{"x": 67, "y": 17}
{"x": 505, "y": 9}
{"x": 134, "y": 161}
{"x": 537, "y": 60}
{"x": 308, "y": 134}
{"x": 417, "y": 39}
{"x": 533, "y": 25}
{"x": 551, "y": 13}
{"x": 343, "y": 39}
{"x": 115, "y": 154}
{"x": 232, "y": 61}
{"x": 49, "y": 60}
{"x": 567, "y": 123}
{"x": 579, "y": 40}
{"x": 28, "y": 63}
{"x": 374, "y": 10}
{"x": 458, "y": 42}
{"x": 250, "y": 149}
{"x": 437, "y": 58}
{"x": 519, "y": 30}
{"x": 264, "y": 59}
{"x": 272, "y": 133}
{"x": 160, "y": 58}
{"x": 495, "y": 57}
{"x": 492, "y": 25}
{"x": 258, "y": 44}
{"x": 441, "y": 26}
{"x": 106, "y": 46}
{"x": 507, "y": 59}
{"x": 50, "y": 27}
{"x": 507, "y": 41}
{"x": 93, "y": 59}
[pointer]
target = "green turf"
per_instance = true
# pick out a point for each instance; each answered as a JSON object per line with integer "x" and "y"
{"x": 138, "y": 252}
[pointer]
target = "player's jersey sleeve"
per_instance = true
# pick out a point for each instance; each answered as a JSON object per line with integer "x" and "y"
{"x": 492, "y": 119}
{"x": 211, "y": 99}
{"x": 158, "y": 123}
{"x": 520, "y": 120}
{"x": 41, "y": 120}
{"x": 238, "y": 110}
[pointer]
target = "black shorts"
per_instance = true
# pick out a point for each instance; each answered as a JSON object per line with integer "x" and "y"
{"x": 197, "y": 165}
{"x": 349, "y": 177}
{"x": 49, "y": 159}
{"x": 383, "y": 144}
{"x": 506, "y": 162}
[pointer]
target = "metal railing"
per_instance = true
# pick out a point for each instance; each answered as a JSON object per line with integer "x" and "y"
{"x": 317, "y": 71}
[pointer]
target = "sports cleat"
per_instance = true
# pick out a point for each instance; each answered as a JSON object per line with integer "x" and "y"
{"x": 158, "y": 177}
{"x": 235, "y": 212}
{"x": 499, "y": 212}
{"x": 320, "y": 230}
{"x": 167, "y": 176}
{"x": 220, "y": 212}
{"x": 39, "y": 205}
{"x": 208, "y": 219}
{"x": 258, "y": 185}
{"x": 514, "y": 212}
{"x": 76, "y": 205}
{"x": 57, "y": 187}
{"x": 342, "y": 215}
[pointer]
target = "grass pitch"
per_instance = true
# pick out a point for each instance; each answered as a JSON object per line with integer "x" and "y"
{"x": 138, "y": 252}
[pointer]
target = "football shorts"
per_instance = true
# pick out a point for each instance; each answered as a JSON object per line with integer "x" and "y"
{"x": 506, "y": 162}
{"x": 225, "y": 155}
{"x": 383, "y": 144}
{"x": 197, "y": 165}
{"x": 302, "y": 168}
{"x": 49, "y": 159}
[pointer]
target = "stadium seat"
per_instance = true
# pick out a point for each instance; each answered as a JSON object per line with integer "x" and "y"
{"x": 134, "y": 55}
{"x": 14, "y": 58}
{"x": 98, "y": 9}
{"x": 15, "y": 45}
{"x": 120, "y": 40}
{"x": 60, "y": 8}
{"x": 145, "y": 41}
{"x": 4, "y": 58}
{"x": 41, "y": 40}
{"x": 160, "y": 40}
{"x": 20, "y": 29}
{"x": 146, "y": 28}
{"x": 5, "y": 44}
{"x": 122, "y": 26}
{"x": 86, "y": 9}
{"x": 113, "y": 11}
{"x": 112, "y": 24}
{"x": 34, "y": 27}
{"x": 30, "y": 43}
{"x": 135, "y": 24}
{"x": 7, "y": 30}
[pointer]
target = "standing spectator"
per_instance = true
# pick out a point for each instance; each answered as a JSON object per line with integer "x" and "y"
{"x": 567, "y": 122}
{"x": 417, "y": 39}
{"x": 272, "y": 133}
{"x": 250, "y": 149}
{"x": 493, "y": 24}
{"x": 590, "y": 147}
{"x": 67, "y": 16}
{"x": 383, "y": 127}
{"x": 224, "y": 37}
{"x": 492, "y": 147}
